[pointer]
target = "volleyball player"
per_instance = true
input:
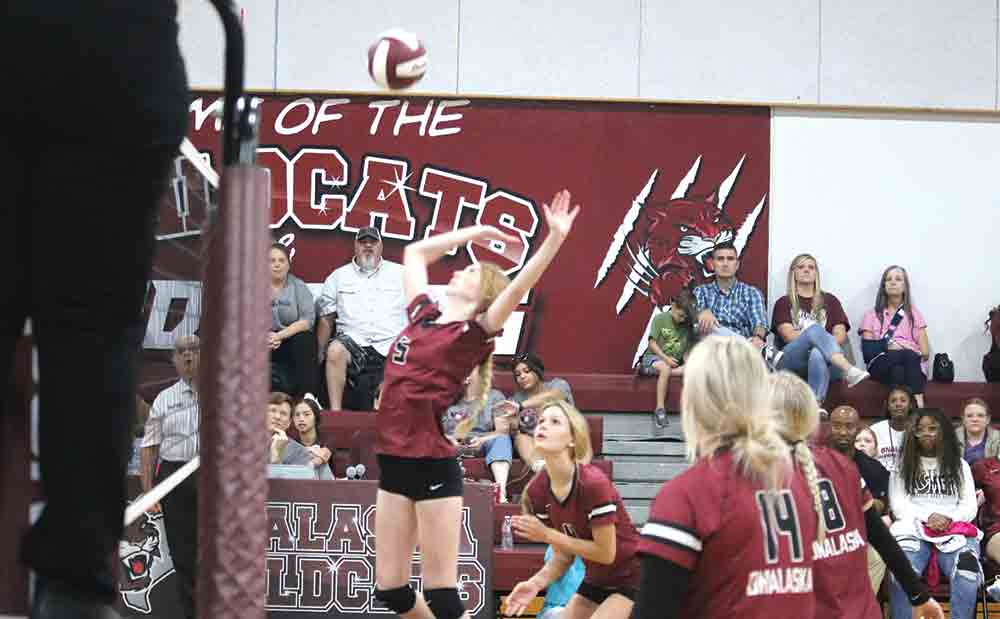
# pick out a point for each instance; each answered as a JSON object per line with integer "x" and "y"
{"x": 573, "y": 506}
{"x": 419, "y": 499}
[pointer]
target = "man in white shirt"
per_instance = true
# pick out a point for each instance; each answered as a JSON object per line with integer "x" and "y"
{"x": 171, "y": 439}
{"x": 362, "y": 303}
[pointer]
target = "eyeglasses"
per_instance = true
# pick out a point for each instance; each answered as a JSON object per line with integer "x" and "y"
{"x": 183, "y": 349}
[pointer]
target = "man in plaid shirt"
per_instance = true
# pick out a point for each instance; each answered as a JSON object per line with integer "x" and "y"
{"x": 727, "y": 306}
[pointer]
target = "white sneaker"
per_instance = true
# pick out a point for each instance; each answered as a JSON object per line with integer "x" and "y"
{"x": 855, "y": 376}
{"x": 772, "y": 356}
{"x": 994, "y": 590}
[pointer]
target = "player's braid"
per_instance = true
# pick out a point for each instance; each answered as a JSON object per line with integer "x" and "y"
{"x": 485, "y": 384}
{"x": 805, "y": 459}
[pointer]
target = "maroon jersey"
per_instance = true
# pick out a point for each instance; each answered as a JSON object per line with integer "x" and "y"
{"x": 593, "y": 501}
{"x": 986, "y": 472}
{"x": 749, "y": 550}
{"x": 840, "y": 569}
{"x": 424, "y": 372}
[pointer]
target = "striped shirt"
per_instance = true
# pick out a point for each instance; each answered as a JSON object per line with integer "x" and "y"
{"x": 174, "y": 422}
{"x": 740, "y": 309}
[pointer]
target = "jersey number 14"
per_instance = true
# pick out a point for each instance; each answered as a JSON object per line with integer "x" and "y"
{"x": 780, "y": 519}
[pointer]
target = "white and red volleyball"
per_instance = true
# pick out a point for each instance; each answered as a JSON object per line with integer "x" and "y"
{"x": 397, "y": 59}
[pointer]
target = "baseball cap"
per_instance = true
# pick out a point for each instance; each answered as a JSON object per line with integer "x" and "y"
{"x": 368, "y": 232}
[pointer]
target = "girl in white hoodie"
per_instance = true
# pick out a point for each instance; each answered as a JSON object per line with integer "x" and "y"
{"x": 933, "y": 501}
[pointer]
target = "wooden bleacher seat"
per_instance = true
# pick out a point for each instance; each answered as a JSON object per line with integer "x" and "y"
{"x": 631, "y": 393}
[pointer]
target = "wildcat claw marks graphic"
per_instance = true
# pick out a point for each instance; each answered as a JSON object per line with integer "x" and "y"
{"x": 145, "y": 562}
{"x": 670, "y": 242}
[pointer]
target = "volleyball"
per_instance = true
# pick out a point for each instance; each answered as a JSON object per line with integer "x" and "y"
{"x": 397, "y": 59}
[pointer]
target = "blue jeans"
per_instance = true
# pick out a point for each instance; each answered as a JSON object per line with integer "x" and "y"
{"x": 499, "y": 449}
{"x": 964, "y": 583}
{"x": 809, "y": 356}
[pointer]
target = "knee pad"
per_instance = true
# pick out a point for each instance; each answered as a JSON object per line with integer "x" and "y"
{"x": 444, "y": 603}
{"x": 399, "y": 600}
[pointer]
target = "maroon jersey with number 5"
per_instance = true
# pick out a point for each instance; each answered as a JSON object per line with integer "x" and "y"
{"x": 593, "y": 501}
{"x": 424, "y": 372}
{"x": 749, "y": 550}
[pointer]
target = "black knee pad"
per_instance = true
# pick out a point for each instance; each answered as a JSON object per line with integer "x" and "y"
{"x": 399, "y": 600}
{"x": 967, "y": 561}
{"x": 444, "y": 603}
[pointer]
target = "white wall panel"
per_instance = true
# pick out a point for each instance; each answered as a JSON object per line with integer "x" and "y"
{"x": 202, "y": 43}
{"x": 861, "y": 193}
{"x": 717, "y": 50}
{"x": 323, "y": 44}
{"x": 552, "y": 48}
{"x": 913, "y": 53}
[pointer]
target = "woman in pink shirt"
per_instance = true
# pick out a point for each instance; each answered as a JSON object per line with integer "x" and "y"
{"x": 894, "y": 335}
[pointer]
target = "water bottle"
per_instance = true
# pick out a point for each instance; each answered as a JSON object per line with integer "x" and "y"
{"x": 507, "y": 534}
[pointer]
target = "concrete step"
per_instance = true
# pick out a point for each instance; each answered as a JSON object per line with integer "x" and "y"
{"x": 632, "y": 490}
{"x": 627, "y": 468}
{"x": 635, "y": 424}
{"x": 638, "y": 511}
{"x": 672, "y": 449}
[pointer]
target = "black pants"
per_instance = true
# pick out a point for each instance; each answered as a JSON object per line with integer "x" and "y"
{"x": 90, "y": 124}
{"x": 180, "y": 518}
{"x": 293, "y": 364}
{"x": 899, "y": 367}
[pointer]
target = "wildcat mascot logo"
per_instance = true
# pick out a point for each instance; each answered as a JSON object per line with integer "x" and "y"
{"x": 145, "y": 562}
{"x": 670, "y": 242}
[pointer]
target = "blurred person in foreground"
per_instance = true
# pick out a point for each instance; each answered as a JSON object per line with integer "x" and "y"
{"x": 85, "y": 148}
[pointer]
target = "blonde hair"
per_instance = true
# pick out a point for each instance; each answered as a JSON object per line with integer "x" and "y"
{"x": 792, "y": 396}
{"x": 726, "y": 403}
{"x": 818, "y": 311}
{"x": 492, "y": 282}
{"x": 582, "y": 448}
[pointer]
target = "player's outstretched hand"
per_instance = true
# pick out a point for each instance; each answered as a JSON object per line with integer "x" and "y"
{"x": 928, "y": 610}
{"x": 520, "y": 597}
{"x": 559, "y": 216}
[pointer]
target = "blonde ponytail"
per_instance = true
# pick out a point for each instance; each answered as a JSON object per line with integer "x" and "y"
{"x": 793, "y": 396}
{"x": 805, "y": 459}
{"x": 485, "y": 377}
{"x": 726, "y": 403}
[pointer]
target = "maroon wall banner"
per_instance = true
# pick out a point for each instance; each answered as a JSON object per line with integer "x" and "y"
{"x": 320, "y": 554}
{"x": 660, "y": 185}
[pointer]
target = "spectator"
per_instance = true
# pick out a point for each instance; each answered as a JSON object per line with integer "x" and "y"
{"x": 986, "y": 473}
{"x": 933, "y": 500}
{"x": 670, "y": 339}
{"x": 532, "y": 391}
{"x": 487, "y": 436}
{"x": 866, "y": 443}
{"x": 283, "y": 450}
{"x": 810, "y": 328}
{"x": 845, "y": 428}
{"x": 899, "y": 405}
{"x": 729, "y": 307}
{"x": 171, "y": 438}
{"x": 559, "y": 593}
{"x": 362, "y": 304}
{"x": 977, "y": 438}
{"x": 279, "y": 404}
{"x": 293, "y": 312}
{"x": 894, "y": 335}
{"x": 306, "y": 420}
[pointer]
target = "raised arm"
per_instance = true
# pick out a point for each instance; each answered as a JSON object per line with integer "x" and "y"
{"x": 559, "y": 218}
{"x": 418, "y": 255}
